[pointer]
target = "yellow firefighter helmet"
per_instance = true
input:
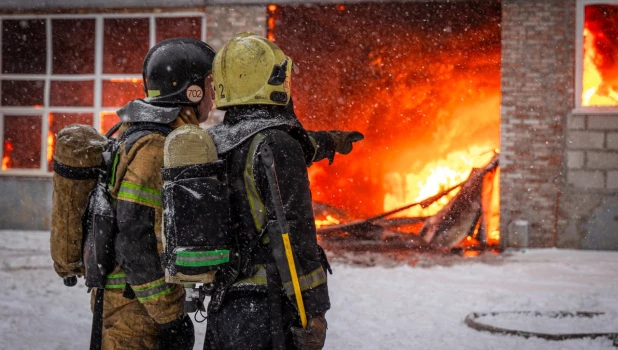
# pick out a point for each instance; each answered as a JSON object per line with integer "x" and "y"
{"x": 249, "y": 69}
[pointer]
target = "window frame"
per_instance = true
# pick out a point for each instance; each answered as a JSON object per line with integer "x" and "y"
{"x": 579, "y": 57}
{"x": 97, "y": 77}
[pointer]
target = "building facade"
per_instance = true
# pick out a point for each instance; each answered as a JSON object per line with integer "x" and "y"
{"x": 79, "y": 61}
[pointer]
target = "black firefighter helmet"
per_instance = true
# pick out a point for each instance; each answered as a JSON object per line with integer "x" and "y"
{"x": 174, "y": 72}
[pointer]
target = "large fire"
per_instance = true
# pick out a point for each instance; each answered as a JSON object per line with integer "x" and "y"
{"x": 600, "y": 60}
{"x": 420, "y": 80}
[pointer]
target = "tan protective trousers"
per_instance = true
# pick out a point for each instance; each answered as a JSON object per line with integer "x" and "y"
{"x": 126, "y": 324}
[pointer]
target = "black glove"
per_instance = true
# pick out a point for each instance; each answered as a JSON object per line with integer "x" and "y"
{"x": 178, "y": 335}
{"x": 344, "y": 139}
{"x": 312, "y": 337}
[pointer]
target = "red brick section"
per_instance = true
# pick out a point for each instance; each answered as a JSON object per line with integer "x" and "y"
{"x": 537, "y": 76}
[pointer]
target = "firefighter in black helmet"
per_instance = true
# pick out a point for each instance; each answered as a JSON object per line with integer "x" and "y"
{"x": 141, "y": 310}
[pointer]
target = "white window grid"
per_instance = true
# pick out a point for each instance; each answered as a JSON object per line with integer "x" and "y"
{"x": 98, "y": 77}
{"x": 579, "y": 57}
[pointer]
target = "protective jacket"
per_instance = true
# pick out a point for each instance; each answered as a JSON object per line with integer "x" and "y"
{"x": 238, "y": 139}
{"x": 137, "y": 299}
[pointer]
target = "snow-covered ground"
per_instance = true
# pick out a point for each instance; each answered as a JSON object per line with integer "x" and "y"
{"x": 377, "y": 307}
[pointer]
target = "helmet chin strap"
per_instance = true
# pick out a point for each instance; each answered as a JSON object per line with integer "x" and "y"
{"x": 197, "y": 113}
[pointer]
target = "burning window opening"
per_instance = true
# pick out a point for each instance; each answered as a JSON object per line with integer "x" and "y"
{"x": 118, "y": 92}
{"x": 600, "y": 56}
{"x": 107, "y": 120}
{"x": 22, "y": 142}
{"x": 422, "y": 82}
{"x": 272, "y": 15}
{"x": 6, "y": 157}
{"x": 51, "y": 139}
{"x": 25, "y": 52}
{"x": 57, "y": 121}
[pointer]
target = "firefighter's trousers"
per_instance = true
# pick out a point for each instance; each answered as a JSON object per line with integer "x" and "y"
{"x": 126, "y": 324}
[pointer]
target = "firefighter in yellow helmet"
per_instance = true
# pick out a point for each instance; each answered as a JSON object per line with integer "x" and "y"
{"x": 275, "y": 294}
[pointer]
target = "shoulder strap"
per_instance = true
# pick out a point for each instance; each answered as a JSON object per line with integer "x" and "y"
{"x": 130, "y": 137}
{"x": 258, "y": 211}
{"x": 137, "y": 131}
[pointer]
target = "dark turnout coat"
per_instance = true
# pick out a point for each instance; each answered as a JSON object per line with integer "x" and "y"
{"x": 240, "y": 311}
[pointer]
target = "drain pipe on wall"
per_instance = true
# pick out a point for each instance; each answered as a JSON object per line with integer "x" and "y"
{"x": 557, "y": 181}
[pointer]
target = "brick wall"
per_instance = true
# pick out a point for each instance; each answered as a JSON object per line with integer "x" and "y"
{"x": 537, "y": 78}
{"x": 559, "y": 169}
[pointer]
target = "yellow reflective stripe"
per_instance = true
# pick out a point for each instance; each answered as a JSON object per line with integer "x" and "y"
{"x": 259, "y": 277}
{"x": 112, "y": 179}
{"x": 117, "y": 275}
{"x": 141, "y": 194}
{"x": 308, "y": 281}
{"x": 170, "y": 288}
{"x": 116, "y": 281}
{"x": 152, "y": 290}
{"x": 154, "y": 93}
{"x": 149, "y": 285}
{"x": 258, "y": 211}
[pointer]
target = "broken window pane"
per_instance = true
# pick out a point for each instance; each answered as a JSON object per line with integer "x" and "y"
{"x": 22, "y": 142}
{"x": 22, "y": 92}
{"x": 117, "y": 92}
{"x": 171, "y": 27}
{"x": 72, "y": 93}
{"x": 57, "y": 121}
{"x": 23, "y": 46}
{"x": 125, "y": 43}
{"x": 107, "y": 119}
{"x": 73, "y": 46}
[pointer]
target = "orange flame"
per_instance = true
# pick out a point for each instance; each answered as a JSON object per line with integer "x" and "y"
{"x": 107, "y": 120}
{"x": 435, "y": 177}
{"x": 427, "y": 111}
{"x": 126, "y": 80}
{"x": 600, "y": 71}
{"x": 6, "y": 158}
{"x": 330, "y": 220}
{"x": 51, "y": 140}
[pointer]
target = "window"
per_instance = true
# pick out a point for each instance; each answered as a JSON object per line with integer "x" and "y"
{"x": 597, "y": 56}
{"x": 56, "y": 70}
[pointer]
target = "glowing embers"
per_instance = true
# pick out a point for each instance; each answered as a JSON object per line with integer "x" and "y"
{"x": 600, "y": 60}
{"x": 328, "y": 220}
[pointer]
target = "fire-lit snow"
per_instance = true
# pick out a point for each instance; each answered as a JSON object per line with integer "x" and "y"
{"x": 419, "y": 303}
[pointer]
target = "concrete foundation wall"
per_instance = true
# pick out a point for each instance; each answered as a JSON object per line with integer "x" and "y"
{"x": 589, "y": 209}
{"x": 25, "y": 203}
